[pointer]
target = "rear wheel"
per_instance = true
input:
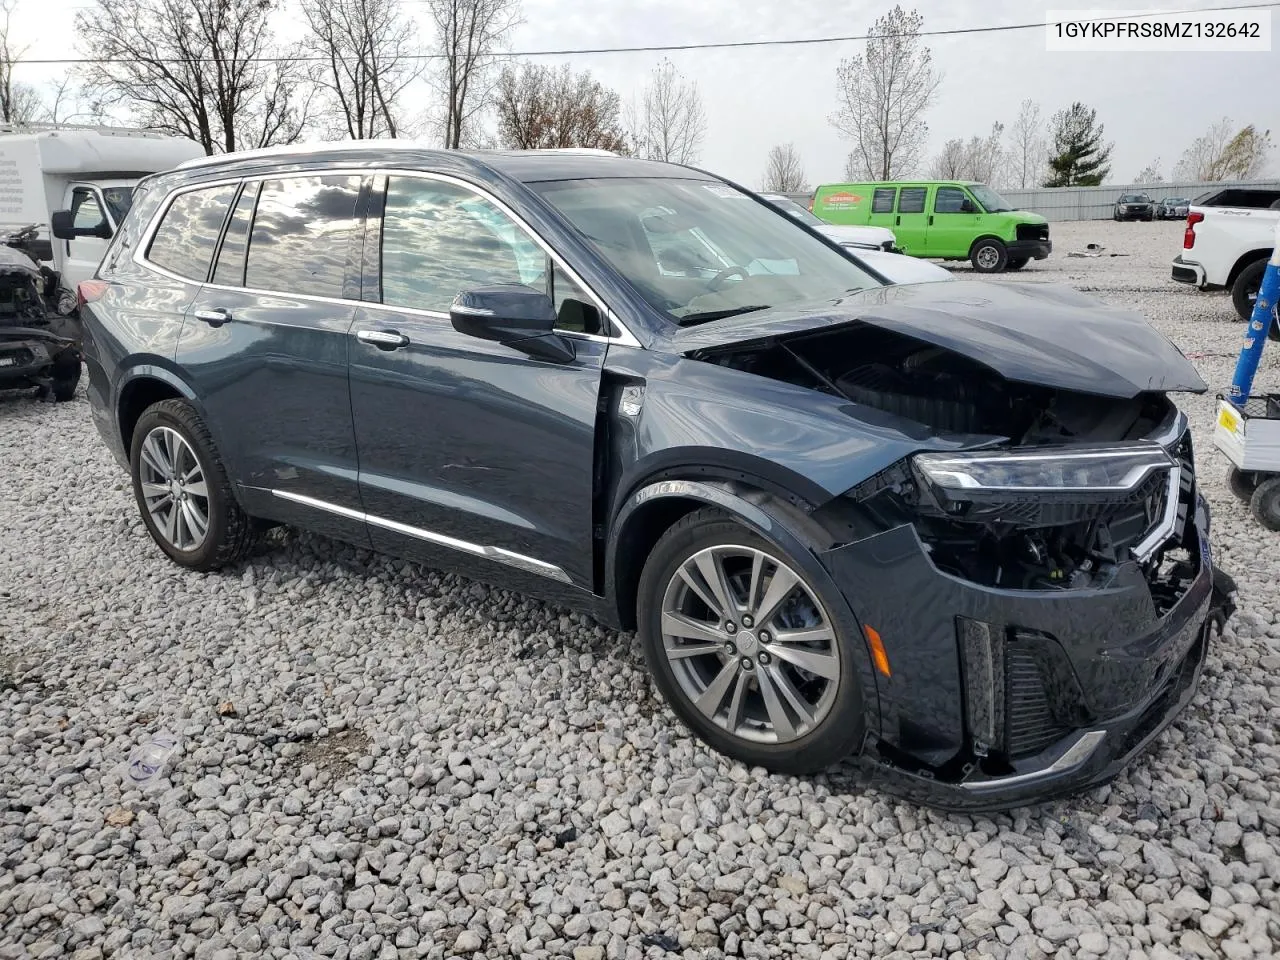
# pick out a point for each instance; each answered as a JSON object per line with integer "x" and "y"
{"x": 989, "y": 256}
{"x": 1265, "y": 503}
{"x": 182, "y": 489}
{"x": 746, "y": 650}
{"x": 1244, "y": 294}
{"x": 1017, "y": 263}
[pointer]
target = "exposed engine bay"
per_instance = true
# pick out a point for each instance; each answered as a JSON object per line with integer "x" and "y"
{"x": 1041, "y": 539}
{"x": 39, "y": 331}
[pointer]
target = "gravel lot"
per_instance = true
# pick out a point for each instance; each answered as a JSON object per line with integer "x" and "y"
{"x": 382, "y": 761}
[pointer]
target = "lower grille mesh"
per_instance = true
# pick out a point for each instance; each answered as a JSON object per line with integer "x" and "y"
{"x": 1030, "y": 723}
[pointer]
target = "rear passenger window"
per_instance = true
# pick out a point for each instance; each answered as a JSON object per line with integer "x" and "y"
{"x": 183, "y": 242}
{"x": 911, "y": 200}
{"x": 882, "y": 199}
{"x": 301, "y": 232}
{"x": 230, "y": 269}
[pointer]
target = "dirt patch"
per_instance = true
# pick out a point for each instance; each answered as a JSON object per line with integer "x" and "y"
{"x": 335, "y": 754}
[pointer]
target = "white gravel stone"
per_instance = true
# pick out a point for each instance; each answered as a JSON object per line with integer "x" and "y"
{"x": 418, "y": 765}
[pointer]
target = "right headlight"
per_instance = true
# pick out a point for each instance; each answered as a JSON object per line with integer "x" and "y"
{"x": 1117, "y": 469}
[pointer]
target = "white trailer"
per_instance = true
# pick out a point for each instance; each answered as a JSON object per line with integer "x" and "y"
{"x": 89, "y": 171}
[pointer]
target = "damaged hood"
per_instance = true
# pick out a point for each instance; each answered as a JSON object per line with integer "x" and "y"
{"x": 1043, "y": 334}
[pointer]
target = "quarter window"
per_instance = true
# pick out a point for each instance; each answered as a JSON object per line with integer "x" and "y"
{"x": 188, "y": 232}
{"x": 439, "y": 239}
{"x": 301, "y": 232}
{"x": 882, "y": 199}
{"x": 88, "y": 212}
{"x": 911, "y": 200}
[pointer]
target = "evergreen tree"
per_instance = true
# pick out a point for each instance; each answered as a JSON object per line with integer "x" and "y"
{"x": 1079, "y": 158}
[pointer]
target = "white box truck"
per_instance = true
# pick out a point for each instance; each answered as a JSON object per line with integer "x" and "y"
{"x": 88, "y": 171}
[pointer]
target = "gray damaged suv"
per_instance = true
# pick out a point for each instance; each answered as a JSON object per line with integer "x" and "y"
{"x": 951, "y": 530}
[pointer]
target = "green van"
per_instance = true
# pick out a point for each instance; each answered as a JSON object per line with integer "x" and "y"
{"x": 942, "y": 219}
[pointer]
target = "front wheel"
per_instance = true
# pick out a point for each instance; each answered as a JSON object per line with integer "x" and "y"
{"x": 746, "y": 650}
{"x": 1241, "y": 483}
{"x": 989, "y": 256}
{"x": 182, "y": 489}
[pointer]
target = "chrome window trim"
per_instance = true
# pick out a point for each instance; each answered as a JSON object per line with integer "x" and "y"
{"x": 625, "y": 337}
{"x": 485, "y": 551}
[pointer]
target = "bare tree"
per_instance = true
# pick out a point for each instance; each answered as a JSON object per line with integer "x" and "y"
{"x": 1222, "y": 153}
{"x": 852, "y": 166}
{"x": 1150, "y": 173}
{"x": 368, "y": 57}
{"x": 204, "y": 69}
{"x": 19, "y": 102}
{"x": 783, "y": 172}
{"x": 883, "y": 95}
{"x": 978, "y": 158}
{"x": 950, "y": 164}
{"x": 540, "y": 107}
{"x": 1027, "y": 149}
{"x": 669, "y": 123}
{"x": 468, "y": 35}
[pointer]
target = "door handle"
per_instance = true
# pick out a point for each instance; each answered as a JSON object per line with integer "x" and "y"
{"x": 897, "y": 221}
{"x": 931, "y": 219}
{"x": 383, "y": 339}
{"x": 214, "y": 318}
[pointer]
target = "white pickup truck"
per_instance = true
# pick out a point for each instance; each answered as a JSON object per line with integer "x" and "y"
{"x": 1228, "y": 247}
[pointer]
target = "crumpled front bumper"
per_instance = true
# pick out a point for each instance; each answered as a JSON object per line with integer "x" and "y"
{"x": 1002, "y": 697}
{"x": 25, "y": 361}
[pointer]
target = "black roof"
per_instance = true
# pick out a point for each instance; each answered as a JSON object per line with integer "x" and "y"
{"x": 528, "y": 166}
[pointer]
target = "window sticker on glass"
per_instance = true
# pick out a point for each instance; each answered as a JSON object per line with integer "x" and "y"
{"x": 723, "y": 190}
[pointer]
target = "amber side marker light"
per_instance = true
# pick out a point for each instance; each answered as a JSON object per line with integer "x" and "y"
{"x": 878, "y": 656}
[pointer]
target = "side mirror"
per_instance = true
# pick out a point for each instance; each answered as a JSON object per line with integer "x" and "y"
{"x": 966, "y": 206}
{"x": 514, "y": 315}
{"x": 62, "y": 225}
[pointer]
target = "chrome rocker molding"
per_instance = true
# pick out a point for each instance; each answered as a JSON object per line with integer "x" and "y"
{"x": 488, "y": 552}
{"x": 1081, "y": 750}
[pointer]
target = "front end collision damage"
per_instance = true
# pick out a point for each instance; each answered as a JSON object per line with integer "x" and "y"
{"x": 1037, "y": 642}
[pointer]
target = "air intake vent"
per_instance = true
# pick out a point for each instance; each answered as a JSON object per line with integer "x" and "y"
{"x": 1030, "y": 724}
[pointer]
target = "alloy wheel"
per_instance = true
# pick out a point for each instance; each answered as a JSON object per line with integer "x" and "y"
{"x": 988, "y": 257}
{"x": 750, "y": 644}
{"x": 174, "y": 488}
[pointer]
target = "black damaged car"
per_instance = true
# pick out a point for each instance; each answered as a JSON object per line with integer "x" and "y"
{"x": 39, "y": 346}
{"x": 949, "y": 529}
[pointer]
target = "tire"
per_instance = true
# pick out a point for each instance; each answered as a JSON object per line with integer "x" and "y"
{"x": 1017, "y": 263}
{"x": 772, "y": 735}
{"x": 159, "y": 439}
{"x": 1265, "y": 503}
{"x": 1245, "y": 290}
{"x": 1242, "y": 483}
{"x": 989, "y": 256}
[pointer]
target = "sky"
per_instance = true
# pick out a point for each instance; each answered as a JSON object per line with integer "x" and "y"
{"x": 1152, "y": 104}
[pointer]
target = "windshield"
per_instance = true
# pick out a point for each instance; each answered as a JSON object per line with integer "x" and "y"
{"x": 700, "y": 250}
{"x": 991, "y": 201}
{"x": 1135, "y": 198}
{"x": 793, "y": 209}
{"x": 118, "y": 201}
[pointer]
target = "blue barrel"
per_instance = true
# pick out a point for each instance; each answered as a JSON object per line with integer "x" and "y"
{"x": 1256, "y": 334}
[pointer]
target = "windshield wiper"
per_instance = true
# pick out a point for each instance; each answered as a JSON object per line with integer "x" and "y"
{"x": 690, "y": 319}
